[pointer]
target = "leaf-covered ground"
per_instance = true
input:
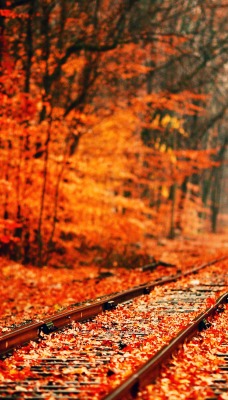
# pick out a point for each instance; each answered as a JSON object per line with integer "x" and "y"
{"x": 30, "y": 293}
{"x": 97, "y": 355}
{"x": 193, "y": 371}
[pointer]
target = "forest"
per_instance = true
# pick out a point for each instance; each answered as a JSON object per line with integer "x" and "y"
{"x": 113, "y": 126}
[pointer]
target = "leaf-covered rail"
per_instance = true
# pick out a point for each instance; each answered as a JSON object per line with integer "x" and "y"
{"x": 32, "y": 331}
{"x": 90, "y": 359}
{"x": 151, "y": 368}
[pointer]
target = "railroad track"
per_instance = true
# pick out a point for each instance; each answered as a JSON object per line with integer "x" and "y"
{"x": 114, "y": 346}
{"x": 201, "y": 364}
{"x": 88, "y": 309}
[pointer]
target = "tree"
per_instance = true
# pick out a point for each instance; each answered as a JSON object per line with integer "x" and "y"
{"x": 104, "y": 119}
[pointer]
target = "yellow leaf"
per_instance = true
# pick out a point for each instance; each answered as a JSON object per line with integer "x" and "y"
{"x": 163, "y": 148}
{"x": 155, "y": 123}
{"x": 175, "y": 123}
{"x": 165, "y": 192}
{"x": 172, "y": 155}
{"x": 57, "y": 307}
{"x": 183, "y": 132}
{"x": 165, "y": 120}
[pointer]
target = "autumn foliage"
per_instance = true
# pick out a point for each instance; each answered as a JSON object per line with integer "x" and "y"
{"x": 110, "y": 124}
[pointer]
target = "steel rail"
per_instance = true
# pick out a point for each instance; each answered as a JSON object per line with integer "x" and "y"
{"x": 150, "y": 370}
{"x": 33, "y": 331}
